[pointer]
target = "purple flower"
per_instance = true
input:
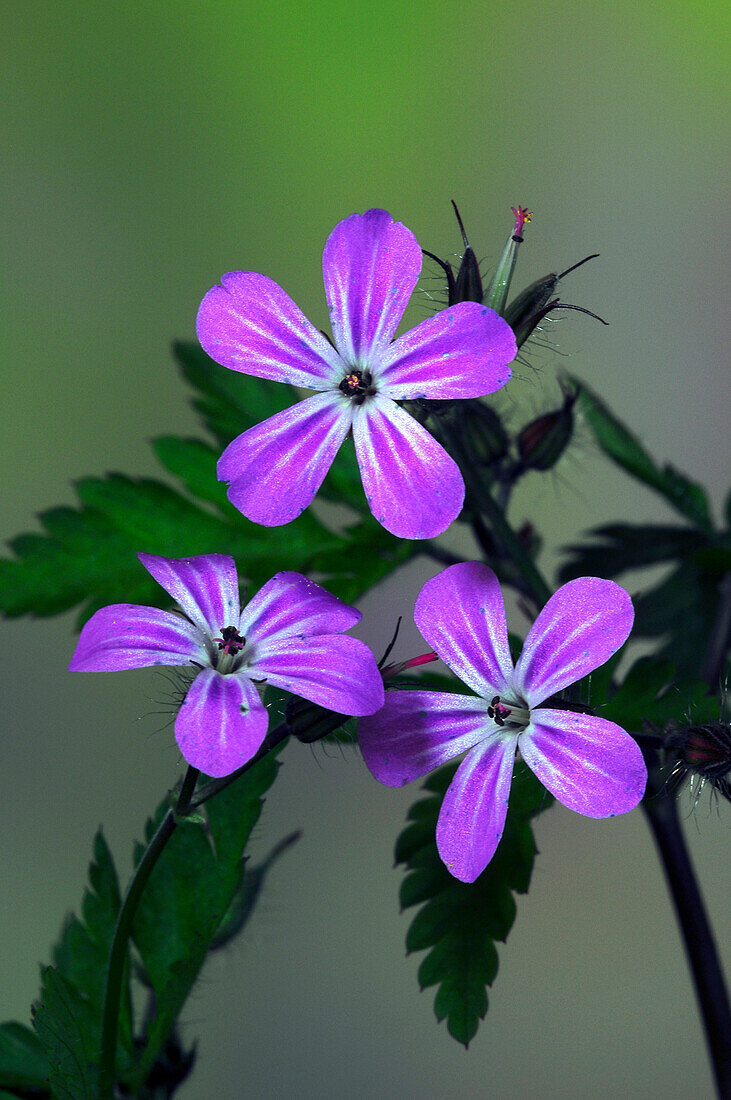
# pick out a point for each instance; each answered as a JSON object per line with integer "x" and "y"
{"x": 371, "y": 265}
{"x": 589, "y": 764}
{"x": 288, "y": 634}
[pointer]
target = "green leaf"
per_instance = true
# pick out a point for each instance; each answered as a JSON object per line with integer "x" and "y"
{"x": 366, "y": 554}
{"x": 458, "y": 923}
{"x": 619, "y": 444}
{"x": 680, "y": 609}
{"x": 189, "y": 894}
{"x": 74, "y": 986}
{"x": 69, "y": 1035}
{"x": 82, "y": 952}
{"x": 621, "y": 546}
{"x": 649, "y": 691}
{"x": 23, "y": 1063}
{"x": 194, "y": 462}
{"x": 89, "y": 556}
{"x": 247, "y": 894}
{"x": 229, "y": 402}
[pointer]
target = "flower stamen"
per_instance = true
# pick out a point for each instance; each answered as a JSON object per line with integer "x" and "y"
{"x": 510, "y": 715}
{"x": 230, "y": 640}
{"x": 357, "y": 385}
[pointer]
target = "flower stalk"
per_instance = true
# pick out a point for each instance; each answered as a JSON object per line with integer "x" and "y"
{"x": 123, "y": 930}
{"x": 184, "y": 805}
{"x": 661, "y": 810}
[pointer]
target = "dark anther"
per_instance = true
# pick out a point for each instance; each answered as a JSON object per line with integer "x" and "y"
{"x": 496, "y": 711}
{"x": 357, "y": 385}
{"x": 230, "y": 640}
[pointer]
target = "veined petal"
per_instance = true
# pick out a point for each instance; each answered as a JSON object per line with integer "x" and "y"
{"x": 125, "y": 635}
{"x": 221, "y": 723}
{"x": 206, "y": 587}
{"x": 276, "y": 468}
{"x": 249, "y": 324}
{"x": 461, "y": 614}
{"x": 589, "y": 764}
{"x": 459, "y": 352}
{"x": 580, "y": 627}
{"x": 412, "y": 485}
{"x": 334, "y": 670}
{"x": 290, "y": 604}
{"x": 472, "y": 817}
{"x": 418, "y": 731}
{"x": 370, "y": 265}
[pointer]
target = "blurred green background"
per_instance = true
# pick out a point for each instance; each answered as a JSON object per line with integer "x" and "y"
{"x": 147, "y": 148}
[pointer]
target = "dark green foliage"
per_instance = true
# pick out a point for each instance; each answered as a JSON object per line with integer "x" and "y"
{"x": 229, "y": 402}
{"x": 87, "y": 555}
{"x": 197, "y": 897}
{"x": 364, "y": 555}
{"x": 682, "y": 606}
{"x": 189, "y": 894}
{"x": 67, "y": 1019}
{"x": 458, "y": 923}
{"x": 81, "y": 954}
{"x": 23, "y": 1063}
{"x": 619, "y": 444}
{"x": 64, "y": 1023}
{"x": 621, "y": 546}
{"x": 242, "y": 905}
{"x": 651, "y": 693}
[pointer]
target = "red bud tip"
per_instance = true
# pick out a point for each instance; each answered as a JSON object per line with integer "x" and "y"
{"x": 522, "y": 215}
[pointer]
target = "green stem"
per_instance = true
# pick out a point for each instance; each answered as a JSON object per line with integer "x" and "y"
{"x": 123, "y": 929}
{"x": 118, "y": 955}
{"x": 661, "y": 809}
{"x": 125, "y": 919}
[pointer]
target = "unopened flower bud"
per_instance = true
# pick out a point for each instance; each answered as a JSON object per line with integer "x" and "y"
{"x": 527, "y": 310}
{"x": 310, "y": 722}
{"x": 704, "y": 753}
{"x": 496, "y": 292}
{"x": 467, "y": 286}
{"x": 542, "y": 442}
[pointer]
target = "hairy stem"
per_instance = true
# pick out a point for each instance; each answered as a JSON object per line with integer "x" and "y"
{"x": 118, "y": 953}
{"x": 661, "y": 809}
{"x": 122, "y": 931}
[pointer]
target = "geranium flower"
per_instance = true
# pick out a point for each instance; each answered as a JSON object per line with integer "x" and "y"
{"x": 288, "y": 634}
{"x": 589, "y": 764}
{"x": 371, "y": 265}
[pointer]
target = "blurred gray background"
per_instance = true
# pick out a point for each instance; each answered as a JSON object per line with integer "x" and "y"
{"x": 146, "y": 150}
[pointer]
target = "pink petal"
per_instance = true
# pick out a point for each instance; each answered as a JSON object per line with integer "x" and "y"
{"x": 472, "y": 817}
{"x": 580, "y": 627}
{"x": 370, "y": 265}
{"x": 249, "y": 324}
{"x": 206, "y": 587}
{"x": 462, "y": 351}
{"x": 418, "y": 731}
{"x": 413, "y": 486}
{"x": 221, "y": 724}
{"x": 126, "y": 635}
{"x": 276, "y": 468}
{"x": 333, "y": 670}
{"x": 588, "y": 763}
{"x": 461, "y": 614}
{"x": 290, "y": 604}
